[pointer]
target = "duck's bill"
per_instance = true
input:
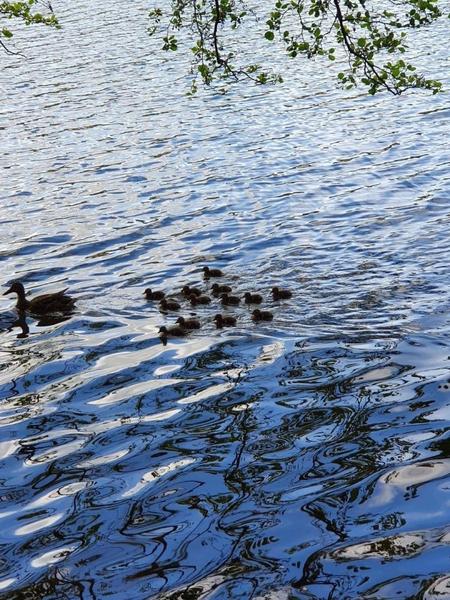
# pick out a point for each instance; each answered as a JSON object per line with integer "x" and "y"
{"x": 7, "y": 292}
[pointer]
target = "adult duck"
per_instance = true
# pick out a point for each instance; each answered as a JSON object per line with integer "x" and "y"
{"x": 41, "y": 305}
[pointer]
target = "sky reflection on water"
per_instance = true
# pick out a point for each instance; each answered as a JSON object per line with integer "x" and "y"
{"x": 303, "y": 458}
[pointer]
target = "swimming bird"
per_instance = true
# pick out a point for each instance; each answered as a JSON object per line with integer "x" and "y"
{"x": 194, "y": 300}
{"x": 154, "y": 295}
{"x": 228, "y": 300}
{"x": 169, "y": 304}
{"x": 281, "y": 294}
{"x": 220, "y": 289}
{"x": 174, "y": 331}
{"x": 212, "y": 272}
{"x": 224, "y": 321}
{"x": 252, "y": 298}
{"x": 188, "y": 323}
{"x": 187, "y": 291}
{"x": 262, "y": 315}
{"x": 41, "y": 305}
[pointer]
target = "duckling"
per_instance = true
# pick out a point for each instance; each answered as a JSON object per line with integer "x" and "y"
{"x": 262, "y": 315}
{"x": 220, "y": 289}
{"x": 281, "y": 294}
{"x": 194, "y": 300}
{"x": 174, "y": 331}
{"x": 224, "y": 321}
{"x": 188, "y": 323}
{"x": 252, "y": 298}
{"x": 169, "y": 304}
{"x": 207, "y": 272}
{"x": 187, "y": 291}
{"x": 154, "y": 295}
{"x": 41, "y": 305}
{"x": 228, "y": 300}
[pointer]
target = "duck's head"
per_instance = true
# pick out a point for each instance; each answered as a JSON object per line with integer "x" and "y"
{"x": 256, "y": 313}
{"x": 247, "y": 296}
{"x": 180, "y": 321}
{"x": 163, "y": 329}
{"x": 275, "y": 290}
{"x": 17, "y": 288}
{"x": 186, "y": 289}
{"x": 218, "y": 318}
{"x": 205, "y": 270}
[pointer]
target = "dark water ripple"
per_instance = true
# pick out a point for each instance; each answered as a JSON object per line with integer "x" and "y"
{"x": 307, "y": 458}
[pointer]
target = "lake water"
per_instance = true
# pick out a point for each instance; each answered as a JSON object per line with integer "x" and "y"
{"x": 306, "y": 458}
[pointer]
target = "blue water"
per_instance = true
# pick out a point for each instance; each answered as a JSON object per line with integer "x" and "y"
{"x": 305, "y": 458}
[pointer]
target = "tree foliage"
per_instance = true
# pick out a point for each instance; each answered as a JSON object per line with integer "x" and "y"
{"x": 371, "y": 33}
{"x": 28, "y": 12}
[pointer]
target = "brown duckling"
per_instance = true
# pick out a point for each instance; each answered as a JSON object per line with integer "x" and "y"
{"x": 207, "y": 272}
{"x": 224, "y": 321}
{"x": 41, "y": 305}
{"x": 187, "y": 291}
{"x": 252, "y": 298}
{"x": 228, "y": 300}
{"x": 154, "y": 295}
{"x": 188, "y": 323}
{"x": 194, "y": 300}
{"x": 174, "y": 331}
{"x": 262, "y": 315}
{"x": 220, "y": 289}
{"x": 169, "y": 304}
{"x": 281, "y": 294}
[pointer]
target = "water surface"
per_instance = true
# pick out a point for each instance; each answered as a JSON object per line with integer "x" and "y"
{"x": 306, "y": 458}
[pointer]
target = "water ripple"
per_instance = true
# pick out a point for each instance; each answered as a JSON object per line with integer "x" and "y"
{"x": 307, "y": 457}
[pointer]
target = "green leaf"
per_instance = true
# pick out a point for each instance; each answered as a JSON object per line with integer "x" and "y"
{"x": 365, "y": 31}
